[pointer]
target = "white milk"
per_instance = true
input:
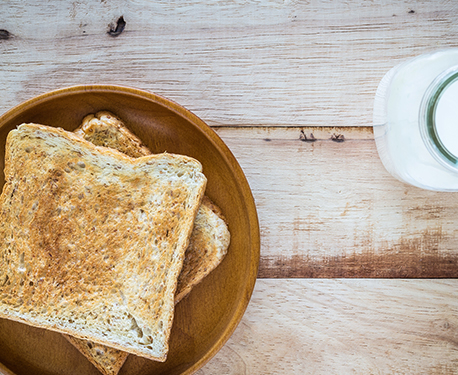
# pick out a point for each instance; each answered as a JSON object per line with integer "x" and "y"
{"x": 415, "y": 128}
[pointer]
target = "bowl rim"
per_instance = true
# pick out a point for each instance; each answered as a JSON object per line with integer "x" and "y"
{"x": 236, "y": 169}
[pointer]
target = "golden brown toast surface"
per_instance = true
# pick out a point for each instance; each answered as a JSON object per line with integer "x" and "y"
{"x": 93, "y": 241}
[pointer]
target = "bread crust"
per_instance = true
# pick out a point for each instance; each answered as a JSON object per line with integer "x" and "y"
{"x": 78, "y": 253}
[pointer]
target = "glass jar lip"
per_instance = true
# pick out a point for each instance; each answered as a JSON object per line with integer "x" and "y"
{"x": 427, "y": 118}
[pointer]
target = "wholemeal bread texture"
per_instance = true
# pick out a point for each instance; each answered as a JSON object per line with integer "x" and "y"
{"x": 93, "y": 241}
{"x": 107, "y": 360}
{"x": 106, "y": 129}
{"x": 208, "y": 243}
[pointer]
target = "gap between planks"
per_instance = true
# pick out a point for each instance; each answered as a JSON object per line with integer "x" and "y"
{"x": 330, "y": 209}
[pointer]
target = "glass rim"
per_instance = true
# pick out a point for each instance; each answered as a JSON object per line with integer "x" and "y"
{"x": 427, "y": 117}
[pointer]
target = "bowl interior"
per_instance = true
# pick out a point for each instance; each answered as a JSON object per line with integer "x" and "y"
{"x": 205, "y": 319}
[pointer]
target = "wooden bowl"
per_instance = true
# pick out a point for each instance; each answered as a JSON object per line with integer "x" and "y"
{"x": 206, "y": 318}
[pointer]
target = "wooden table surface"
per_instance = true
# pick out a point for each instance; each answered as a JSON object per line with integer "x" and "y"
{"x": 358, "y": 270}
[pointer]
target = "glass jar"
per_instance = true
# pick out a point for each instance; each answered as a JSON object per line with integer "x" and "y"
{"x": 416, "y": 121}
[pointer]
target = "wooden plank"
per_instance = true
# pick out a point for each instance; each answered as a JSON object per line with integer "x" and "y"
{"x": 232, "y": 63}
{"x": 330, "y": 209}
{"x": 345, "y": 327}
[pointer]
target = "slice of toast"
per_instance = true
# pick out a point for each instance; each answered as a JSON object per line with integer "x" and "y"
{"x": 210, "y": 237}
{"x": 207, "y": 247}
{"x": 107, "y": 360}
{"x": 208, "y": 244}
{"x": 107, "y": 130}
{"x": 92, "y": 241}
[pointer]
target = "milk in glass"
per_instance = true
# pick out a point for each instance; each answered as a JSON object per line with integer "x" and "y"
{"x": 416, "y": 121}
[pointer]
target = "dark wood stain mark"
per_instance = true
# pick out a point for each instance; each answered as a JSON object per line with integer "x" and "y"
{"x": 4, "y": 34}
{"x": 303, "y": 137}
{"x": 411, "y": 258}
{"x": 337, "y": 138}
{"x": 366, "y": 265}
{"x": 117, "y": 29}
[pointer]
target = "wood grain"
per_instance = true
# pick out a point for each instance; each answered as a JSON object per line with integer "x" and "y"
{"x": 330, "y": 209}
{"x": 265, "y": 75}
{"x": 345, "y": 327}
{"x": 275, "y": 62}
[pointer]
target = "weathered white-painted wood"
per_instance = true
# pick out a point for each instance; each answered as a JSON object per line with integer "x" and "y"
{"x": 345, "y": 327}
{"x": 330, "y": 209}
{"x": 326, "y": 208}
{"x": 240, "y": 62}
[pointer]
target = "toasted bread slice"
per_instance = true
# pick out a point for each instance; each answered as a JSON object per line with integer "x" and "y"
{"x": 91, "y": 240}
{"x": 107, "y": 360}
{"x": 208, "y": 244}
{"x": 105, "y": 129}
{"x": 210, "y": 237}
{"x": 207, "y": 247}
